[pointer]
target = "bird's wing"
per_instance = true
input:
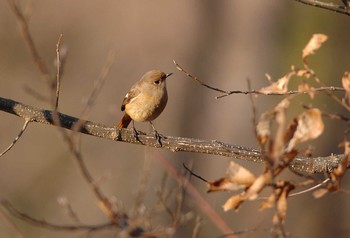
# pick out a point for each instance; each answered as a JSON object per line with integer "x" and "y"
{"x": 130, "y": 96}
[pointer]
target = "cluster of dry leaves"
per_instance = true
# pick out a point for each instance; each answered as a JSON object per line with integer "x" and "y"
{"x": 279, "y": 146}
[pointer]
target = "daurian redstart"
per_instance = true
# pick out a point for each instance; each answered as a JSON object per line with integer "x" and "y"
{"x": 146, "y": 99}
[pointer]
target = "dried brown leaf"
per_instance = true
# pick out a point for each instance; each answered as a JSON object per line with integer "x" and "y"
{"x": 234, "y": 202}
{"x": 304, "y": 73}
{"x": 263, "y": 130}
{"x": 320, "y": 192}
{"x": 304, "y": 87}
{"x": 268, "y": 203}
{"x": 281, "y": 205}
{"x": 338, "y": 173}
{"x": 222, "y": 184}
{"x": 240, "y": 175}
{"x": 239, "y": 178}
{"x": 280, "y": 86}
{"x": 346, "y": 85}
{"x": 252, "y": 192}
{"x": 282, "y": 105}
{"x": 258, "y": 185}
{"x": 347, "y": 148}
{"x": 310, "y": 126}
{"x": 314, "y": 44}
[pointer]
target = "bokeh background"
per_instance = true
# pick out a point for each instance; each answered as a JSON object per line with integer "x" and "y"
{"x": 221, "y": 42}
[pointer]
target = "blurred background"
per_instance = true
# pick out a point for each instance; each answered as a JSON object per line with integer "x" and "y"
{"x": 223, "y": 43}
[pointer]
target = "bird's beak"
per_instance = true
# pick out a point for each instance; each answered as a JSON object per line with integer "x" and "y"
{"x": 167, "y": 75}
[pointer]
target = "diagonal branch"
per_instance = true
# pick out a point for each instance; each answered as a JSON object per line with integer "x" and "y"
{"x": 226, "y": 93}
{"x": 44, "y": 224}
{"x": 174, "y": 144}
{"x": 327, "y": 6}
{"x": 16, "y": 139}
{"x": 23, "y": 23}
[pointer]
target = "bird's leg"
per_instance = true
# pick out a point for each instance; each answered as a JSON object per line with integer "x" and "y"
{"x": 135, "y": 132}
{"x": 156, "y": 134}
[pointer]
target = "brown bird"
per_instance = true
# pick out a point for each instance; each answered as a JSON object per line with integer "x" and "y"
{"x": 146, "y": 99}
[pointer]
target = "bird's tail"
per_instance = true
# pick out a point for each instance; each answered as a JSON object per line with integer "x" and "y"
{"x": 125, "y": 121}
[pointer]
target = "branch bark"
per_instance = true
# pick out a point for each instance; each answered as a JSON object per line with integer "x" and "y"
{"x": 174, "y": 144}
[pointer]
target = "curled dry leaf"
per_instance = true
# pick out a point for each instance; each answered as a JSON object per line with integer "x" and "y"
{"x": 278, "y": 198}
{"x": 309, "y": 126}
{"x": 234, "y": 202}
{"x": 304, "y": 87}
{"x": 280, "y": 86}
{"x": 346, "y": 85}
{"x": 347, "y": 148}
{"x": 239, "y": 178}
{"x": 252, "y": 192}
{"x": 320, "y": 192}
{"x": 282, "y": 105}
{"x": 314, "y": 44}
{"x": 263, "y": 130}
{"x": 338, "y": 173}
{"x": 268, "y": 203}
{"x": 307, "y": 73}
{"x": 240, "y": 175}
{"x": 281, "y": 206}
{"x": 258, "y": 185}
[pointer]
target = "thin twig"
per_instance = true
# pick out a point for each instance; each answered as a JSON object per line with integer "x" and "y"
{"x": 199, "y": 200}
{"x": 58, "y": 71}
{"x": 63, "y": 201}
{"x": 44, "y": 224}
{"x": 327, "y": 6}
{"x": 14, "y": 4}
{"x": 6, "y": 220}
{"x": 320, "y": 89}
{"x": 55, "y": 116}
{"x": 194, "y": 174}
{"x": 16, "y": 139}
{"x": 197, "y": 227}
{"x": 98, "y": 84}
{"x": 310, "y": 189}
{"x": 35, "y": 94}
{"x": 230, "y": 92}
{"x": 199, "y": 81}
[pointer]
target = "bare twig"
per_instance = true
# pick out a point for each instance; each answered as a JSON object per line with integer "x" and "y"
{"x": 44, "y": 224}
{"x": 7, "y": 221}
{"x": 16, "y": 139}
{"x": 14, "y": 4}
{"x": 194, "y": 174}
{"x": 327, "y": 6}
{"x": 58, "y": 72}
{"x": 106, "y": 205}
{"x": 119, "y": 220}
{"x": 200, "y": 201}
{"x": 97, "y": 88}
{"x": 63, "y": 201}
{"x": 230, "y": 92}
{"x": 310, "y": 189}
{"x": 197, "y": 227}
{"x": 320, "y": 89}
{"x": 55, "y": 118}
{"x": 199, "y": 81}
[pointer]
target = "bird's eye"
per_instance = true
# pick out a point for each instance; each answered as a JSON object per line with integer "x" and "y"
{"x": 157, "y": 82}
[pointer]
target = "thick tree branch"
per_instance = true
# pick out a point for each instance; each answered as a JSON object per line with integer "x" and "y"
{"x": 174, "y": 144}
